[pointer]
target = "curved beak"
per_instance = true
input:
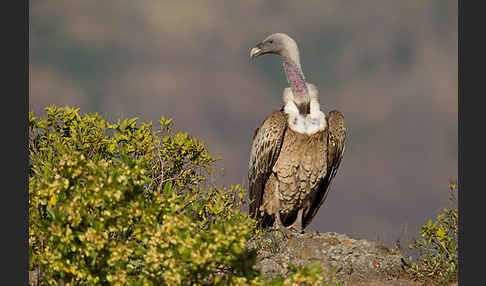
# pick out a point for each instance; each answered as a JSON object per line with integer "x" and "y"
{"x": 256, "y": 51}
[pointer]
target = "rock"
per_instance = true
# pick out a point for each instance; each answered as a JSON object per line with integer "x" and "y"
{"x": 348, "y": 261}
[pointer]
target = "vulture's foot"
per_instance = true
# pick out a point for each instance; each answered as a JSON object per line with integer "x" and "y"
{"x": 278, "y": 225}
{"x": 297, "y": 225}
{"x": 286, "y": 232}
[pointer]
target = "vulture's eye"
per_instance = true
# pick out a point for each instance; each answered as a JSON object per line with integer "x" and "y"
{"x": 271, "y": 42}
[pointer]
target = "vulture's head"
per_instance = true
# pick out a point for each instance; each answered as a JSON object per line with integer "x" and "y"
{"x": 278, "y": 43}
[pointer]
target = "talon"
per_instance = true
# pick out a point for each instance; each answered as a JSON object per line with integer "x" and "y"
{"x": 287, "y": 233}
{"x": 297, "y": 230}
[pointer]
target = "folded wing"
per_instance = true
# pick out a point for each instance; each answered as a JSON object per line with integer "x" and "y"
{"x": 336, "y": 146}
{"x": 267, "y": 142}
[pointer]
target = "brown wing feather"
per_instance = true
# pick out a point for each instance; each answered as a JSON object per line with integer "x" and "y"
{"x": 336, "y": 146}
{"x": 265, "y": 149}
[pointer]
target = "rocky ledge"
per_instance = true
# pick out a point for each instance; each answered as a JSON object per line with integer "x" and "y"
{"x": 344, "y": 260}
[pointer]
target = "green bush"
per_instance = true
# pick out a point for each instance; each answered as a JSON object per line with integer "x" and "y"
{"x": 124, "y": 204}
{"x": 438, "y": 256}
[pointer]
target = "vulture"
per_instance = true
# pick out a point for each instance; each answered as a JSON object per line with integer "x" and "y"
{"x": 296, "y": 151}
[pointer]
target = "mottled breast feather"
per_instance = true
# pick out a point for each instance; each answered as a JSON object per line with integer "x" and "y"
{"x": 267, "y": 142}
{"x": 336, "y": 146}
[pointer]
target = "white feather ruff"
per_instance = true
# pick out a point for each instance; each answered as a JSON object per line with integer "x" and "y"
{"x": 309, "y": 124}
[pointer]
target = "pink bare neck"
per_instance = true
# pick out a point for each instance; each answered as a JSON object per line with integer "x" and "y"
{"x": 296, "y": 80}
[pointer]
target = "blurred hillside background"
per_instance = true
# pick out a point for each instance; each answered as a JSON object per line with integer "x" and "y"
{"x": 389, "y": 66}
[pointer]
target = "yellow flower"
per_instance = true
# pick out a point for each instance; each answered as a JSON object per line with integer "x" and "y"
{"x": 52, "y": 201}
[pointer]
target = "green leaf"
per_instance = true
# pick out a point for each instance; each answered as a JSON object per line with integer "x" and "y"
{"x": 93, "y": 261}
{"x": 168, "y": 188}
{"x": 51, "y": 212}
